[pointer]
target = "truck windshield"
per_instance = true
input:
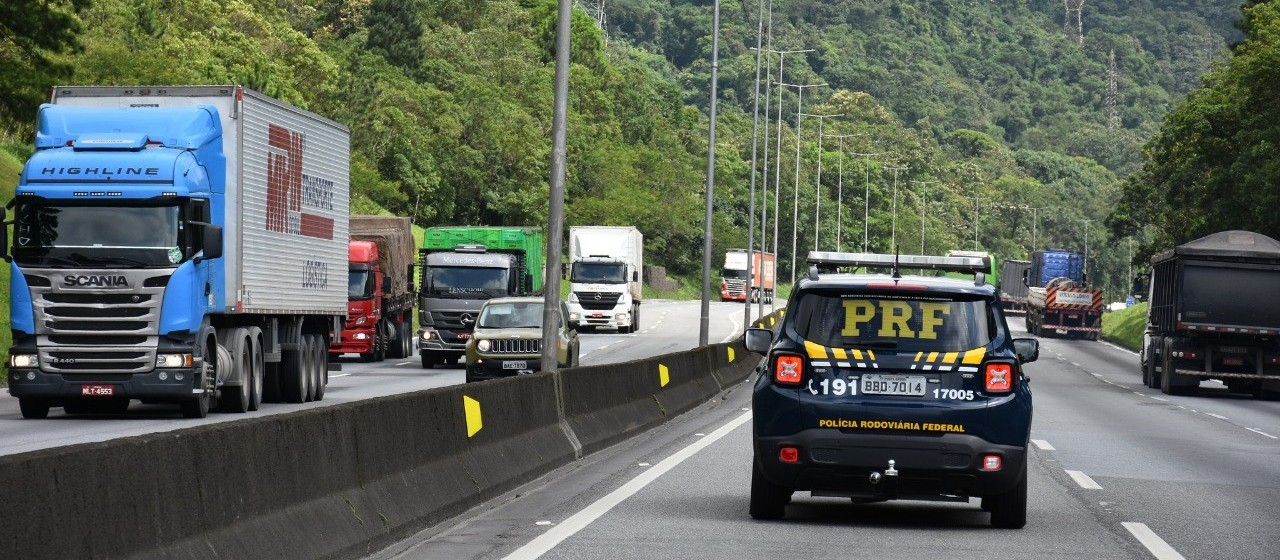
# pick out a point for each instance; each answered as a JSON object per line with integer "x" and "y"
{"x": 98, "y": 236}
{"x": 360, "y": 284}
{"x": 900, "y": 324}
{"x": 511, "y": 316}
{"x": 599, "y": 273}
{"x": 492, "y": 282}
{"x": 734, "y": 274}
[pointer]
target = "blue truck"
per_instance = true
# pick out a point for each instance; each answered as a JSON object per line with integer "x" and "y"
{"x": 175, "y": 245}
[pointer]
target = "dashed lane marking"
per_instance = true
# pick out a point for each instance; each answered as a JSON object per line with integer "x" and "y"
{"x": 1076, "y": 364}
{"x": 1156, "y": 545}
{"x": 1218, "y": 416}
{"x": 1042, "y": 444}
{"x": 404, "y": 363}
{"x": 1083, "y": 480}
{"x": 1257, "y": 431}
{"x": 578, "y": 521}
{"x": 1125, "y": 350}
{"x": 1161, "y": 399}
{"x": 333, "y": 375}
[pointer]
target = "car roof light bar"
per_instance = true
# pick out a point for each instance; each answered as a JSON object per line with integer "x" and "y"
{"x": 830, "y": 261}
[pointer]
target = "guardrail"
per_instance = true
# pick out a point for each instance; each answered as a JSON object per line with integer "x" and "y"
{"x": 343, "y": 480}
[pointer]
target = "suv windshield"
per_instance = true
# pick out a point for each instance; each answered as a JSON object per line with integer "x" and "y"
{"x": 511, "y": 316}
{"x": 907, "y": 323}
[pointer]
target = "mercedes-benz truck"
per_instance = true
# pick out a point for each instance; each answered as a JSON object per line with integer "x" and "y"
{"x": 604, "y": 275}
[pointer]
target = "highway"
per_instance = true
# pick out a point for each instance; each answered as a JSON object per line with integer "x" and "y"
{"x": 1117, "y": 470}
{"x": 666, "y": 326}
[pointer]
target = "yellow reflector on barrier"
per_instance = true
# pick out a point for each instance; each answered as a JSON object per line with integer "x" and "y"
{"x": 730, "y": 354}
{"x": 472, "y": 408}
{"x": 664, "y": 376}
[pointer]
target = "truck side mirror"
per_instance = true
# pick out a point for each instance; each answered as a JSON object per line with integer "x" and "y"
{"x": 4, "y": 236}
{"x": 1026, "y": 277}
{"x": 564, "y": 271}
{"x": 211, "y": 241}
{"x": 635, "y": 276}
{"x": 386, "y": 284}
{"x": 409, "y": 277}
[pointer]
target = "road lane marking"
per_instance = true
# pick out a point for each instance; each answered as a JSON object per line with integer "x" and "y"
{"x": 733, "y": 318}
{"x": 578, "y": 521}
{"x": 1042, "y": 444}
{"x": 1160, "y": 399}
{"x": 1098, "y": 375}
{"x": 1218, "y": 416}
{"x": 338, "y": 375}
{"x": 1083, "y": 480}
{"x": 1076, "y": 364}
{"x": 1125, "y": 350}
{"x": 1156, "y": 545}
{"x": 404, "y": 363}
{"x": 1257, "y": 431}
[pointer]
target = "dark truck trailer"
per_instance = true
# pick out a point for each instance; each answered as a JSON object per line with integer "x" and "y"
{"x": 1214, "y": 314}
{"x": 1013, "y": 291}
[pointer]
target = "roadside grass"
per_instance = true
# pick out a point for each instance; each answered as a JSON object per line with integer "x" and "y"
{"x": 1124, "y": 327}
{"x": 10, "y": 168}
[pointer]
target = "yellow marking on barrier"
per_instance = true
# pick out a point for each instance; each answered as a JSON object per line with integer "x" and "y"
{"x": 730, "y": 349}
{"x": 871, "y": 355}
{"x": 816, "y": 351}
{"x": 664, "y": 375}
{"x": 857, "y": 354}
{"x": 974, "y": 357}
{"x": 918, "y": 356}
{"x": 950, "y": 357}
{"x": 771, "y": 321}
{"x": 840, "y": 354}
{"x": 933, "y": 356}
{"x": 472, "y": 409}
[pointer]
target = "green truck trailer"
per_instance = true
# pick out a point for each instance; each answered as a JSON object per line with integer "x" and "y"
{"x": 462, "y": 267}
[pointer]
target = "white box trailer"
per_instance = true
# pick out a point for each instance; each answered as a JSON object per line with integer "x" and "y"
{"x": 606, "y": 265}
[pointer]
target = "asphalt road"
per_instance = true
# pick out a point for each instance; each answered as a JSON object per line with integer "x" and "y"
{"x": 1117, "y": 471}
{"x": 666, "y": 326}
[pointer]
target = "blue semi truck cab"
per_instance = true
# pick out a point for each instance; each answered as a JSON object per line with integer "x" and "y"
{"x": 132, "y": 265}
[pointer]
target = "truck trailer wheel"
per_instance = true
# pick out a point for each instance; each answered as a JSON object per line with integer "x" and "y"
{"x": 259, "y": 368}
{"x": 34, "y": 408}
{"x": 293, "y": 382}
{"x": 309, "y": 367}
{"x": 320, "y": 371}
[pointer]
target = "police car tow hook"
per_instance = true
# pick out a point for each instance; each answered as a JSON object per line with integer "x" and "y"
{"x": 889, "y": 478}
{"x": 891, "y": 471}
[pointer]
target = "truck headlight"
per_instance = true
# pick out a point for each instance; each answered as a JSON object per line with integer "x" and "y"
{"x": 361, "y": 336}
{"x": 574, "y": 317}
{"x": 360, "y": 320}
{"x": 23, "y": 360}
{"x": 482, "y": 345}
{"x": 620, "y": 316}
{"x": 426, "y": 335}
{"x": 173, "y": 360}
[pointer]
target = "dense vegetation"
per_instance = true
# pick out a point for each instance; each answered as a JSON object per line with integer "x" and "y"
{"x": 449, "y": 103}
{"x": 1213, "y": 165}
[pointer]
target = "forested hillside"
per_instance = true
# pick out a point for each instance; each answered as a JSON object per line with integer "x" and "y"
{"x": 449, "y": 102}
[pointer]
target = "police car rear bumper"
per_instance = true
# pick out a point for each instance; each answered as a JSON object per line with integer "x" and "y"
{"x": 832, "y": 462}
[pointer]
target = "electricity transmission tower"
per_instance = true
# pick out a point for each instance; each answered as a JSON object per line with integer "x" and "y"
{"x": 1076, "y": 8}
{"x": 595, "y": 9}
{"x": 1113, "y": 91}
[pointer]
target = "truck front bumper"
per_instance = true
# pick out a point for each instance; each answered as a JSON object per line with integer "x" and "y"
{"x": 429, "y": 341}
{"x": 161, "y": 384}
{"x": 618, "y": 317}
{"x": 354, "y": 341}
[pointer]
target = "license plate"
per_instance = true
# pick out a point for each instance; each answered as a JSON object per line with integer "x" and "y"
{"x": 515, "y": 364}
{"x": 1233, "y": 361}
{"x": 464, "y": 335}
{"x": 1060, "y": 331}
{"x": 1073, "y": 316}
{"x": 97, "y": 390}
{"x": 597, "y": 315}
{"x": 903, "y": 385}
{"x": 1233, "y": 349}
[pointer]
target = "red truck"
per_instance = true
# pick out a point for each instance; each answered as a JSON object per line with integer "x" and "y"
{"x": 733, "y": 277}
{"x": 380, "y": 290}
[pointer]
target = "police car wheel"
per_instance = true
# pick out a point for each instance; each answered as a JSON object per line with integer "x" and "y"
{"x": 1009, "y": 510}
{"x": 768, "y": 500}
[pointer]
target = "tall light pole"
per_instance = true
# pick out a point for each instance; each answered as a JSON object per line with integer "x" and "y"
{"x": 817, "y": 202}
{"x": 924, "y": 202}
{"x": 866, "y": 212}
{"x": 555, "y": 213}
{"x": 893, "y": 231}
{"x": 777, "y": 172}
{"x": 1086, "y": 247}
{"x": 704, "y": 321}
{"x": 840, "y": 191}
{"x": 795, "y": 202}
{"x": 751, "y": 211}
{"x": 764, "y": 186}
{"x": 977, "y": 200}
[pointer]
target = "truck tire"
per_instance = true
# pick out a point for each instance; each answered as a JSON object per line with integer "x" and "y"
{"x": 428, "y": 360}
{"x": 320, "y": 377}
{"x": 198, "y": 407}
{"x": 236, "y": 398}
{"x": 1009, "y": 510}
{"x": 1149, "y": 368}
{"x": 293, "y": 382}
{"x": 1168, "y": 376}
{"x": 768, "y": 500}
{"x": 259, "y": 368}
{"x": 309, "y": 367}
{"x": 34, "y": 408}
{"x": 271, "y": 382}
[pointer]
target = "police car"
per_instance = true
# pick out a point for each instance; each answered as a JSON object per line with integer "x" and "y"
{"x": 883, "y": 386}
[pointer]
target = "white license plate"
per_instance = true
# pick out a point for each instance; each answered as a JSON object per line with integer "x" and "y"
{"x": 511, "y": 364}
{"x": 1233, "y": 349}
{"x": 1060, "y": 331}
{"x": 97, "y": 390}
{"x": 903, "y": 385}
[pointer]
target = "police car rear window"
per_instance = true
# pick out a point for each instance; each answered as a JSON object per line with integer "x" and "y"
{"x": 912, "y": 323}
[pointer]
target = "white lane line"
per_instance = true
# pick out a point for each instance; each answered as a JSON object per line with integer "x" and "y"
{"x": 1156, "y": 545}
{"x": 737, "y": 326}
{"x": 1042, "y": 444}
{"x": 578, "y": 521}
{"x": 404, "y": 363}
{"x": 1161, "y": 399}
{"x": 1125, "y": 350}
{"x": 1257, "y": 431}
{"x": 1076, "y": 364}
{"x": 1098, "y": 375}
{"x": 1083, "y": 480}
{"x": 1218, "y": 416}
{"x": 1139, "y": 393}
{"x": 339, "y": 375}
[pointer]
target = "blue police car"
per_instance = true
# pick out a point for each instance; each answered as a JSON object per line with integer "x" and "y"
{"x": 884, "y": 386}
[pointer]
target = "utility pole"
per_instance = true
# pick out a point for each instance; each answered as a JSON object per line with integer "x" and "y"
{"x": 1086, "y": 247}
{"x": 795, "y": 203}
{"x": 977, "y": 200}
{"x": 840, "y": 192}
{"x": 555, "y": 213}
{"x": 764, "y": 186}
{"x": 924, "y": 199}
{"x": 1113, "y": 93}
{"x": 751, "y": 212}
{"x": 893, "y": 231}
{"x": 704, "y": 323}
{"x": 866, "y": 212}
{"x": 817, "y": 201}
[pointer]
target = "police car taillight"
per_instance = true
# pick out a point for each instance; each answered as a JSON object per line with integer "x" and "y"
{"x": 999, "y": 377}
{"x": 788, "y": 370}
{"x": 789, "y": 454}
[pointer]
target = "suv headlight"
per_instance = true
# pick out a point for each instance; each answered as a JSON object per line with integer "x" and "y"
{"x": 23, "y": 360}
{"x": 482, "y": 345}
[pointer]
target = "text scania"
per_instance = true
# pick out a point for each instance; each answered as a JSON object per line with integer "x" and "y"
{"x": 84, "y": 281}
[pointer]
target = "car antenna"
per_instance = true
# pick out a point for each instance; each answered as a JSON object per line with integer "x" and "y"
{"x": 897, "y": 275}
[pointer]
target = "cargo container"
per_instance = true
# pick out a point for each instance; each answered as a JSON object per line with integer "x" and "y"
{"x": 605, "y": 264}
{"x": 1058, "y": 301}
{"x": 734, "y": 277}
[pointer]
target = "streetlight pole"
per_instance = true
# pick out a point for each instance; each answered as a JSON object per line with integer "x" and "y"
{"x": 777, "y": 170}
{"x": 704, "y": 321}
{"x": 893, "y": 235}
{"x": 840, "y": 191}
{"x": 795, "y": 203}
{"x": 866, "y": 211}
{"x": 1086, "y": 247}
{"x": 924, "y": 202}
{"x": 976, "y": 201}
{"x": 555, "y": 213}
{"x": 751, "y": 211}
{"x": 764, "y": 187}
{"x": 817, "y": 202}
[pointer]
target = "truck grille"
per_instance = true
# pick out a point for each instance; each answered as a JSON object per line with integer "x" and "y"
{"x": 598, "y": 301}
{"x": 738, "y": 287}
{"x": 515, "y": 346}
{"x": 454, "y": 320}
{"x": 99, "y": 331}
